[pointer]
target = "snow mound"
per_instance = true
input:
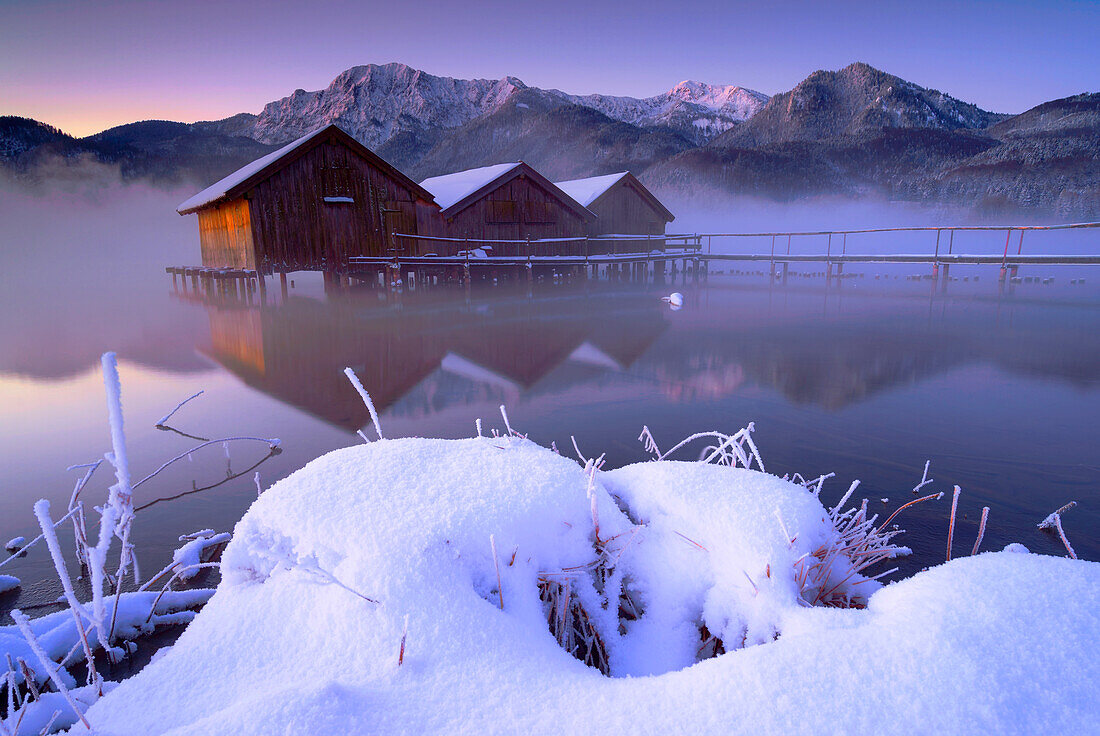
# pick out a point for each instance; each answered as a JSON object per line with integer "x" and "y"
{"x": 461, "y": 540}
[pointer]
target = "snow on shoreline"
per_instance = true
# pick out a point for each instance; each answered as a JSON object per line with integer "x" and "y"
{"x": 328, "y": 565}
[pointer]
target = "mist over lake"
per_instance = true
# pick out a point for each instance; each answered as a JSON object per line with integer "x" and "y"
{"x": 867, "y": 378}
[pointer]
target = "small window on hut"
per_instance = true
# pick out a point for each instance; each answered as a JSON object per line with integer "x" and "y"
{"x": 537, "y": 212}
{"x": 336, "y": 185}
{"x": 501, "y": 211}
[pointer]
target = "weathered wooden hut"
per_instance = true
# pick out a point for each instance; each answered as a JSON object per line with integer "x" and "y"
{"x": 311, "y": 204}
{"x": 505, "y": 202}
{"x": 622, "y": 205}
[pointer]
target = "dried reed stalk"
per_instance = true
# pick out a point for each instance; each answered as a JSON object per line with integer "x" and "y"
{"x": 981, "y": 531}
{"x": 951, "y": 525}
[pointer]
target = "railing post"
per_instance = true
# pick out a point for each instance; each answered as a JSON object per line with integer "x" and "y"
{"x": 936, "y": 259}
{"x": 771, "y": 263}
{"x": 1004, "y": 259}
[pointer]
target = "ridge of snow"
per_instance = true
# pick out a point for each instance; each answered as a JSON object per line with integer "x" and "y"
{"x": 586, "y": 191}
{"x": 449, "y": 189}
{"x": 219, "y": 188}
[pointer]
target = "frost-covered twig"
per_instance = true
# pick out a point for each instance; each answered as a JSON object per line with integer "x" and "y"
{"x": 1054, "y": 522}
{"x": 366, "y": 399}
{"x": 42, "y": 513}
{"x": 951, "y": 526}
{"x": 118, "y": 457}
{"x": 981, "y": 530}
{"x": 312, "y": 568}
{"x": 52, "y": 668}
{"x": 915, "y": 501}
{"x": 815, "y": 485}
{"x": 730, "y": 449}
{"x": 164, "y": 419}
{"x": 272, "y": 442}
{"x": 37, "y": 539}
{"x": 924, "y": 479}
{"x": 648, "y": 443}
{"x": 181, "y": 574}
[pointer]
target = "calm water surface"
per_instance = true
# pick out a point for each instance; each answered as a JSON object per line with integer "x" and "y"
{"x": 1001, "y": 392}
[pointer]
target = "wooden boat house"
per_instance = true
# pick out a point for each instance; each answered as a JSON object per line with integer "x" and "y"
{"x": 505, "y": 202}
{"x": 311, "y": 204}
{"x": 622, "y": 205}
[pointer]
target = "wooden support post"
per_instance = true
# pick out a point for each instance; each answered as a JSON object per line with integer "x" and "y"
{"x": 282, "y": 284}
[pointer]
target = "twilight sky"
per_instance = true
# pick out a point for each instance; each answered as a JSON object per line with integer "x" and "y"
{"x": 87, "y": 65}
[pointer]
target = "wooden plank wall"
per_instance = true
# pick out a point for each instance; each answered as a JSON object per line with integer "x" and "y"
{"x": 295, "y": 227}
{"x": 225, "y": 236}
{"x": 537, "y": 213}
{"x": 622, "y": 210}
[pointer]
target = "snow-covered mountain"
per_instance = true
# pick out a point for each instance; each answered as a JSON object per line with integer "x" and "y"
{"x": 848, "y": 132}
{"x": 377, "y": 103}
{"x": 852, "y": 101}
{"x": 696, "y": 109}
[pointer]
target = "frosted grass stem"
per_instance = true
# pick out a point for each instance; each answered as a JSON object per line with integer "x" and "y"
{"x": 496, "y": 564}
{"x": 951, "y": 525}
{"x": 981, "y": 530}
{"x": 42, "y": 513}
{"x": 366, "y": 400}
{"x": 52, "y": 667}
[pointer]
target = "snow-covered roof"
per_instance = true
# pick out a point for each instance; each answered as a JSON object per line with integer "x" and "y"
{"x": 587, "y": 191}
{"x": 220, "y": 188}
{"x": 224, "y": 188}
{"x": 453, "y": 192}
{"x": 451, "y": 189}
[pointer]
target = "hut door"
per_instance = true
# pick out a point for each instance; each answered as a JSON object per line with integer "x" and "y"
{"x": 400, "y": 218}
{"x": 340, "y": 230}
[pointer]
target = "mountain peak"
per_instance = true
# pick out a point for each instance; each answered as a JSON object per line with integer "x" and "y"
{"x": 855, "y": 100}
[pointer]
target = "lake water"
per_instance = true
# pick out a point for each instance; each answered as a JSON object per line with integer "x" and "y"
{"x": 868, "y": 379}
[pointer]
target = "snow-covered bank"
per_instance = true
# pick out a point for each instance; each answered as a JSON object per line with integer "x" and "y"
{"x": 475, "y": 544}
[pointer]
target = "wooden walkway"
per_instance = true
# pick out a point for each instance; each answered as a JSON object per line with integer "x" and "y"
{"x": 654, "y": 253}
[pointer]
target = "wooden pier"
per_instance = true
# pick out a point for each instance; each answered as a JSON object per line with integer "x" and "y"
{"x": 638, "y": 257}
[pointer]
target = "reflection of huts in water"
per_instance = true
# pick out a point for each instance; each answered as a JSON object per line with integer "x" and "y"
{"x": 311, "y": 204}
{"x": 296, "y": 352}
{"x": 622, "y": 205}
{"x": 506, "y": 202}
